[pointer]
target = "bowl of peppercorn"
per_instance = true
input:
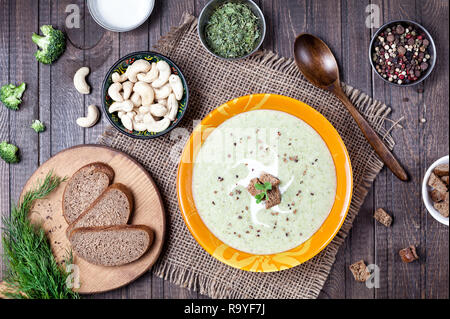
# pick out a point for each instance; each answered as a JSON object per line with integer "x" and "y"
{"x": 402, "y": 53}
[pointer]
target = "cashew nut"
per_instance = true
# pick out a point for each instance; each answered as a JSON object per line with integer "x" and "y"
{"x": 144, "y": 109}
{"x": 127, "y": 122}
{"x": 116, "y": 77}
{"x": 148, "y": 118}
{"x": 158, "y": 126}
{"x": 127, "y": 89}
{"x": 151, "y": 76}
{"x": 90, "y": 119}
{"x": 140, "y": 126}
{"x": 125, "y": 106}
{"x": 131, "y": 114}
{"x": 158, "y": 110}
{"x": 139, "y": 118}
{"x": 145, "y": 91}
{"x": 114, "y": 92}
{"x": 139, "y": 66}
{"x": 162, "y": 102}
{"x": 177, "y": 86}
{"x": 163, "y": 92}
{"x": 172, "y": 105}
{"x": 138, "y": 110}
{"x": 79, "y": 80}
{"x": 136, "y": 99}
{"x": 164, "y": 74}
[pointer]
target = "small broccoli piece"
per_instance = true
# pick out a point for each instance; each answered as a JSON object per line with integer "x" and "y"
{"x": 52, "y": 44}
{"x": 8, "y": 152}
{"x": 38, "y": 126}
{"x": 11, "y": 96}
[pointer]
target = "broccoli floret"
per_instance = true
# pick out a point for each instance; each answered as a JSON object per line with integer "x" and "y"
{"x": 11, "y": 96}
{"x": 8, "y": 152}
{"x": 38, "y": 126}
{"x": 52, "y": 44}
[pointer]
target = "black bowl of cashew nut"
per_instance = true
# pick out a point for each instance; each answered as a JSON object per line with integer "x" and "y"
{"x": 144, "y": 95}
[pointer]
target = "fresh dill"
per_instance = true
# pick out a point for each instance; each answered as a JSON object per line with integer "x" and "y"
{"x": 32, "y": 271}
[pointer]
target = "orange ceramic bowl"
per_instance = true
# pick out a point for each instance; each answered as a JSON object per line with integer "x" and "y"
{"x": 292, "y": 257}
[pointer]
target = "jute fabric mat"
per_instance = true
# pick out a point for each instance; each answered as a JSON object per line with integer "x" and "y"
{"x": 213, "y": 82}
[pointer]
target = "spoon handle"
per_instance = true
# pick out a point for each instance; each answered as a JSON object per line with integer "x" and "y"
{"x": 372, "y": 137}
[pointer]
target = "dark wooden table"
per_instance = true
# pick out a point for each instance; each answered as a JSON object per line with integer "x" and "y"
{"x": 50, "y": 96}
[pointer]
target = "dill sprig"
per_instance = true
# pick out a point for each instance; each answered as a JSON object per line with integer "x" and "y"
{"x": 32, "y": 270}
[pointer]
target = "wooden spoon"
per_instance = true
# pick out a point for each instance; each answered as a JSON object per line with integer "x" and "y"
{"x": 318, "y": 64}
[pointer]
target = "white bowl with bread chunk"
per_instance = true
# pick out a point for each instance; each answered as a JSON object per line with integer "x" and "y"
{"x": 435, "y": 190}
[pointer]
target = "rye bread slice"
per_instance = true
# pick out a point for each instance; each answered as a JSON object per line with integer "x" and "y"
{"x": 84, "y": 187}
{"x": 111, "y": 245}
{"x": 112, "y": 207}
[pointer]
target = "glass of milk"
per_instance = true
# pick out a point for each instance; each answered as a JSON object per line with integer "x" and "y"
{"x": 120, "y": 15}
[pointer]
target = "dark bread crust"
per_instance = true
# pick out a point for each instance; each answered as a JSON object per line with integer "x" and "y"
{"x": 98, "y": 167}
{"x": 115, "y": 228}
{"x": 118, "y": 186}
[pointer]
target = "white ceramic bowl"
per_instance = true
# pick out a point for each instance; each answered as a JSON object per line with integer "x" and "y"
{"x": 426, "y": 192}
{"x": 100, "y": 18}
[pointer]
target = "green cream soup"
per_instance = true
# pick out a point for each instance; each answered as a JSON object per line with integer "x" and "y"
{"x": 242, "y": 148}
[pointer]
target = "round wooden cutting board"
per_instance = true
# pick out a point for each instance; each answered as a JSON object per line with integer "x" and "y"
{"x": 148, "y": 210}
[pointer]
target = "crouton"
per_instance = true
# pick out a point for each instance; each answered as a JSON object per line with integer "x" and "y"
{"x": 442, "y": 207}
{"x": 445, "y": 179}
{"x": 267, "y": 178}
{"x": 408, "y": 254}
{"x": 251, "y": 187}
{"x": 436, "y": 183}
{"x": 360, "y": 271}
{"x": 274, "y": 197}
{"x": 441, "y": 170}
{"x": 383, "y": 217}
{"x": 437, "y": 196}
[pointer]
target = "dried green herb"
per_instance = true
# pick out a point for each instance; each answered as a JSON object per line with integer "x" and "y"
{"x": 232, "y": 30}
{"x": 32, "y": 270}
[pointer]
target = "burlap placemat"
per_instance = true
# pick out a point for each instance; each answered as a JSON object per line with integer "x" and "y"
{"x": 213, "y": 82}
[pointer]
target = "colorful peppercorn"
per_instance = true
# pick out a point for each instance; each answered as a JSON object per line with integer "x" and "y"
{"x": 401, "y": 54}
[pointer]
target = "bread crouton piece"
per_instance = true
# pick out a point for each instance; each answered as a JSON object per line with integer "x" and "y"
{"x": 408, "y": 254}
{"x": 267, "y": 178}
{"x": 251, "y": 187}
{"x": 360, "y": 271}
{"x": 437, "y": 196}
{"x": 441, "y": 170}
{"x": 274, "y": 197}
{"x": 436, "y": 183}
{"x": 383, "y": 217}
{"x": 445, "y": 179}
{"x": 442, "y": 207}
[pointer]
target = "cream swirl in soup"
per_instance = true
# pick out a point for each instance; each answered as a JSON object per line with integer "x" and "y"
{"x": 244, "y": 147}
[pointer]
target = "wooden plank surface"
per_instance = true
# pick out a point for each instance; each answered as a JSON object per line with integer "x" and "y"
{"x": 5, "y": 199}
{"x": 341, "y": 23}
